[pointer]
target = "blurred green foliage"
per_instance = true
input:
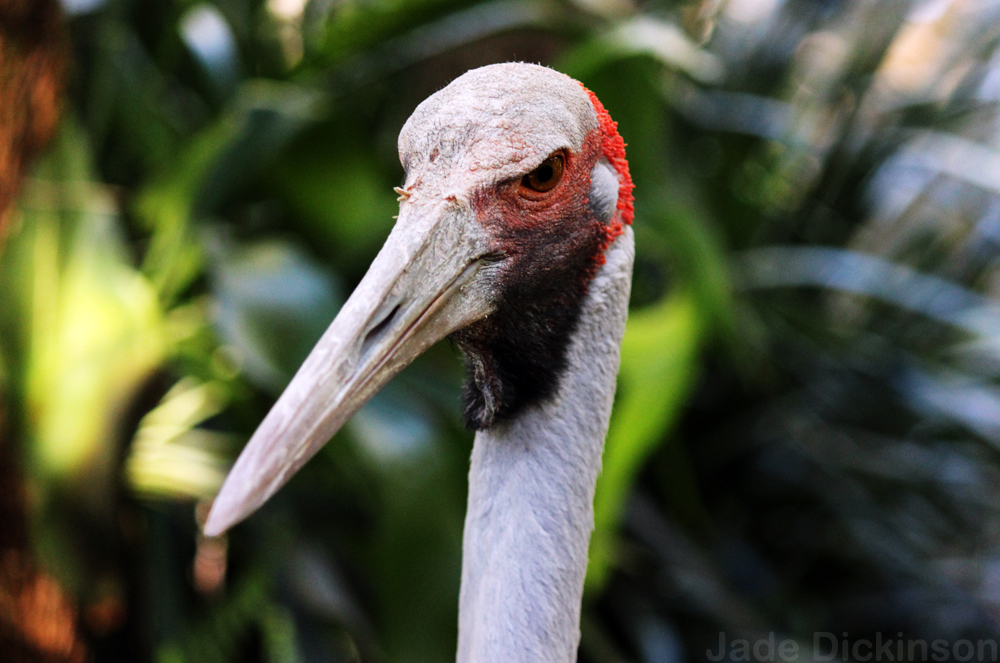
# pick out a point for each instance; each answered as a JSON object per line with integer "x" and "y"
{"x": 805, "y": 435}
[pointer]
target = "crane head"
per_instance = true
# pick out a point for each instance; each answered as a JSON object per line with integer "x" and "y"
{"x": 516, "y": 184}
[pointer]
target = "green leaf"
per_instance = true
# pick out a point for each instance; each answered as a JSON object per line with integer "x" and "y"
{"x": 218, "y": 161}
{"x": 169, "y": 456}
{"x": 346, "y": 203}
{"x": 90, "y": 324}
{"x": 646, "y": 35}
{"x": 272, "y": 303}
{"x": 659, "y": 361}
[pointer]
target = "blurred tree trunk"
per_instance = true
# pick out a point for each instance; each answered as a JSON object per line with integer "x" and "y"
{"x": 33, "y": 58}
{"x": 37, "y": 620}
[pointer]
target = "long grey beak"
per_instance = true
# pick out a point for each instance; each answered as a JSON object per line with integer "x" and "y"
{"x": 426, "y": 282}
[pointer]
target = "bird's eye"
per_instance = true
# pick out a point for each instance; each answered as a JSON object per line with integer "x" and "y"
{"x": 546, "y": 176}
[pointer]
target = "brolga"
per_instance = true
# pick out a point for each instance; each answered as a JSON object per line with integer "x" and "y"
{"x": 513, "y": 239}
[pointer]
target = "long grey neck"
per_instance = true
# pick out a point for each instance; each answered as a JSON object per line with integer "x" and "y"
{"x": 531, "y": 496}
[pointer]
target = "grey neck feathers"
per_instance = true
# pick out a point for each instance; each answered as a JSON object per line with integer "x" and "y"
{"x": 531, "y": 494}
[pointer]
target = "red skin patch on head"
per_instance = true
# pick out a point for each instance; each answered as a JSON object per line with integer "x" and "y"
{"x": 536, "y": 229}
{"x": 551, "y": 244}
{"x": 613, "y": 149}
{"x": 539, "y": 230}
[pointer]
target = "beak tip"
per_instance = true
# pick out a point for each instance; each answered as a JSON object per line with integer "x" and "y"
{"x": 217, "y": 523}
{"x": 228, "y": 509}
{"x": 250, "y": 483}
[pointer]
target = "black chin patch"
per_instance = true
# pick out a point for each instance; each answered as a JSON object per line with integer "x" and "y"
{"x": 516, "y": 356}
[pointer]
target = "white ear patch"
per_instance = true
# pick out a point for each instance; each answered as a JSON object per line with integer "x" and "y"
{"x": 603, "y": 190}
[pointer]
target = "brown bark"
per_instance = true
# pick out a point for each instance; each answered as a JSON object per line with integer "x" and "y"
{"x": 32, "y": 66}
{"x": 37, "y": 619}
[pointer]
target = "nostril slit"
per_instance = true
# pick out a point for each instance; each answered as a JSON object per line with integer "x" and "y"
{"x": 377, "y": 330}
